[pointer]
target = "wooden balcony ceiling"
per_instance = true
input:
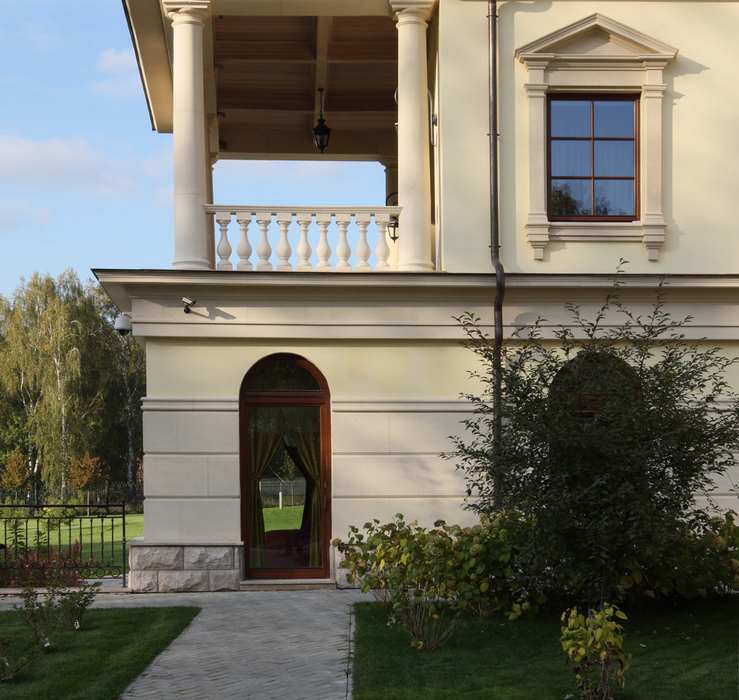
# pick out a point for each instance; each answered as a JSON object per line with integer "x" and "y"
{"x": 269, "y": 69}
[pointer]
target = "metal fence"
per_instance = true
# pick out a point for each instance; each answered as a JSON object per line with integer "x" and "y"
{"x": 110, "y": 492}
{"x": 61, "y": 544}
{"x": 293, "y": 493}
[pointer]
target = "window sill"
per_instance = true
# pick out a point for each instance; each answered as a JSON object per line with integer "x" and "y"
{"x": 652, "y": 234}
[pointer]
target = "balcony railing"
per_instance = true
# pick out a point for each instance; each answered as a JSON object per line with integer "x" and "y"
{"x": 320, "y": 239}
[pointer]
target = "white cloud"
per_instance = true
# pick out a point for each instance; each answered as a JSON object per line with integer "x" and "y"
{"x": 121, "y": 74}
{"x": 39, "y": 37}
{"x": 112, "y": 61}
{"x": 60, "y": 164}
{"x": 16, "y": 214}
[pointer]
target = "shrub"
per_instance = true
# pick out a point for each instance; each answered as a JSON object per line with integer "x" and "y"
{"x": 607, "y": 430}
{"x": 43, "y": 566}
{"x": 427, "y": 577}
{"x": 695, "y": 564}
{"x": 595, "y": 645}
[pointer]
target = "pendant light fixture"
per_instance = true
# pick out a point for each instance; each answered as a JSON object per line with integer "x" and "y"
{"x": 321, "y": 133}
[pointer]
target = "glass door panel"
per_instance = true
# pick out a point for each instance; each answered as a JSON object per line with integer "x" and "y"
{"x": 285, "y": 488}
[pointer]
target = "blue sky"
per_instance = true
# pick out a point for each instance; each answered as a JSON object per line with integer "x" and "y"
{"x": 84, "y": 181}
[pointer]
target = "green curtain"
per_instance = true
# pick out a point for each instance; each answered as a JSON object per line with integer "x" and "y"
{"x": 304, "y": 435}
{"x": 266, "y": 431}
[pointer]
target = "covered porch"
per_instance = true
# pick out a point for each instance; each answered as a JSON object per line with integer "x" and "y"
{"x": 249, "y": 80}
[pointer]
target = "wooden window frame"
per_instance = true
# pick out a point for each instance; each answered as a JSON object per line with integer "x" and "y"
{"x": 321, "y": 399}
{"x": 592, "y": 98}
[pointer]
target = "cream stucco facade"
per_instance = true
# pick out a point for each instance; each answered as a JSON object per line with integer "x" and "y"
{"x": 386, "y": 341}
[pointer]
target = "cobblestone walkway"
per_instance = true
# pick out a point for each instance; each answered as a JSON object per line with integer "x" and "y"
{"x": 251, "y": 646}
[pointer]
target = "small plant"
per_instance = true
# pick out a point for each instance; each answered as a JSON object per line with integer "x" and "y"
{"x": 595, "y": 645}
{"x": 73, "y": 604}
{"x": 59, "y": 607}
{"x": 39, "y": 616}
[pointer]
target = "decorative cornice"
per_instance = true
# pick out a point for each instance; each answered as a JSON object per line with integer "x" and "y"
{"x": 640, "y": 46}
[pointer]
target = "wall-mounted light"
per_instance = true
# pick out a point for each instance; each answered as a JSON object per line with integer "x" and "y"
{"x": 321, "y": 133}
{"x": 392, "y": 228}
{"x": 188, "y": 303}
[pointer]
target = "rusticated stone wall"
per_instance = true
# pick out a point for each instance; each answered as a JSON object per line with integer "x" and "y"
{"x": 165, "y": 568}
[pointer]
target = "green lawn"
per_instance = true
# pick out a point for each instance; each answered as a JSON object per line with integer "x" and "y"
{"x": 689, "y": 653}
{"x": 100, "y": 660}
{"x": 285, "y": 519}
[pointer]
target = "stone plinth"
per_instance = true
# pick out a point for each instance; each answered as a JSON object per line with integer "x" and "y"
{"x": 158, "y": 567}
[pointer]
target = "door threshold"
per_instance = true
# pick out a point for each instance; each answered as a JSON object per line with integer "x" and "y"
{"x": 282, "y": 584}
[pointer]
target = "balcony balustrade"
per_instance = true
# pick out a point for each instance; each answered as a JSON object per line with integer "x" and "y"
{"x": 304, "y": 239}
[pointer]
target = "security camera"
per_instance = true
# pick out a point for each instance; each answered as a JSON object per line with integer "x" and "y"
{"x": 123, "y": 324}
{"x": 188, "y": 303}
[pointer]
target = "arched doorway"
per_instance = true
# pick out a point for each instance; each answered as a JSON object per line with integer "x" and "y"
{"x": 285, "y": 469}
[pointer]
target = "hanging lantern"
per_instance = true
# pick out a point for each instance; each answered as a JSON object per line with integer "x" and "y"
{"x": 321, "y": 133}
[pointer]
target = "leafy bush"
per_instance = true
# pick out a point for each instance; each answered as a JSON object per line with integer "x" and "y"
{"x": 607, "y": 430}
{"x": 427, "y": 576}
{"x": 43, "y": 565}
{"x": 595, "y": 645}
{"x": 692, "y": 566}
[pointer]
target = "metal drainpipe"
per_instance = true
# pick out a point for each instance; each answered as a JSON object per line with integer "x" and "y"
{"x": 495, "y": 240}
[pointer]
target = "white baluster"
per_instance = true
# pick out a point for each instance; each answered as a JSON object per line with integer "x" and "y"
{"x": 224, "y": 247}
{"x": 363, "y": 249}
{"x": 383, "y": 249}
{"x": 284, "y": 251}
{"x": 323, "y": 249}
{"x": 264, "y": 250}
{"x": 343, "y": 251}
{"x": 244, "y": 247}
{"x": 304, "y": 249}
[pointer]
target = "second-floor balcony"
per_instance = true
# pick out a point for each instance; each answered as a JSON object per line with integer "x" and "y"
{"x": 304, "y": 239}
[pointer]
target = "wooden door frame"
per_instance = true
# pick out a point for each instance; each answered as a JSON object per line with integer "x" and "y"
{"x": 295, "y": 399}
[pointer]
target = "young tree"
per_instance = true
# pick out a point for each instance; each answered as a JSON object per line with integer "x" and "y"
{"x": 15, "y": 476}
{"x": 85, "y": 473}
{"x": 608, "y": 435}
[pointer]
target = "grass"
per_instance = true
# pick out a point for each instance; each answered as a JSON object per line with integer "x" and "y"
{"x": 286, "y": 519}
{"x": 99, "y": 661}
{"x": 690, "y": 652}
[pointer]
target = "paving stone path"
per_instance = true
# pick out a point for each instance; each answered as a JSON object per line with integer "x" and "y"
{"x": 251, "y": 646}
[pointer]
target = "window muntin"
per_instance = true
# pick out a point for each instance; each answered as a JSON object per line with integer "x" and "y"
{"x": 593, "y": 143}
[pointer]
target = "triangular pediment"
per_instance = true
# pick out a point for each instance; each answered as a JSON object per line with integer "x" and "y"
{"x": 596, "y": 36}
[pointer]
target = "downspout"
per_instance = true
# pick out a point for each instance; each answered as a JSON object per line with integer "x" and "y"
{"x": 495, "y": 245}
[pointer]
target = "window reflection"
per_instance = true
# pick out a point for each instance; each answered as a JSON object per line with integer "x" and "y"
{"x": 614, "y": 118}
{"x": 570, "y": 118}
{"x": 592, "y": 157}
{"x": 571, "y": 198}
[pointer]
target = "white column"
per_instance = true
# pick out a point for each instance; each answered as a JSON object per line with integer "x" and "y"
{"x": 189, "y": 128}
{"x": 414, "y": 160}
